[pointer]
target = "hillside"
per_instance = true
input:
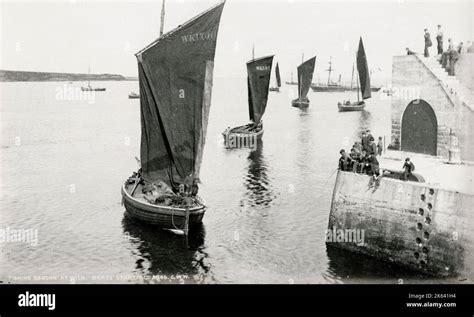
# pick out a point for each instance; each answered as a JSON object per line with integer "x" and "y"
{"x": 10, "y": 75}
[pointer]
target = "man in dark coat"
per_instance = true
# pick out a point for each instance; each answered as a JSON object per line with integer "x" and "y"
{"x": 355, "y": 156}
{"x": 408, "y": 168}
{"x": 427, "y": 42}
{"x": 364, "y": 140}
{"x": 345, "y": 161}
{"x": 439, "y": 39}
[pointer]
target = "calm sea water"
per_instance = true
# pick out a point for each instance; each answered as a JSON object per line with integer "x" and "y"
{"x": 65, "y": 155}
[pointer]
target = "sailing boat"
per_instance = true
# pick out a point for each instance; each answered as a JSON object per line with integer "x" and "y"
{"x": 305, "y": 76}
{"x": 175, "y": 77}
{"x": 89, "y": 87}
{"x": 278, "y": 80}
{"x": 258, "y": 81}
{"x": 364, "y": 77}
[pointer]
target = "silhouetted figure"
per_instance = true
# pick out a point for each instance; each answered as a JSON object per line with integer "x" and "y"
{"x": 344, "y": 161}
{"x": 427, "y": 43}
{"x": 379, "y": 146}
{"x": 410, "y": 52}
{"x": 439, "y": 39}
{"x": 408, "y": 168}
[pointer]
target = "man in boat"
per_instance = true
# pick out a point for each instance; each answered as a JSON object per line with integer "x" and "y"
{"x": 344, "y": 161}
{"x": 408, "y": 168}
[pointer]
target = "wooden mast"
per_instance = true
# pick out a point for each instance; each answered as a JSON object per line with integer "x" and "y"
{"x": 352, "y": 77}
{"x": 162, "y": 22}
{"x": 329, "y": 70}
{"x": 357, "y": 80}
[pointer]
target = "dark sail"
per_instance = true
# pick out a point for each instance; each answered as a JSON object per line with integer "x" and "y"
{"x": 363, "y": 70}
{"x": 277, "y": 74}
{"x": 258, "y": 80}
{"x": 305, "y": 77}
{"x": 175, "y": 74}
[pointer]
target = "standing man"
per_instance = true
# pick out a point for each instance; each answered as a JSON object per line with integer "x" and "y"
{"x": 364, "y": 140}
{"x": 439, "y": 39}
{"x": 427, "y": 43}
{"x": 379, "y": 146}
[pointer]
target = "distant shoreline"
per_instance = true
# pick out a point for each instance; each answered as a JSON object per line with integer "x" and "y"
{"x": 24, "y": 76}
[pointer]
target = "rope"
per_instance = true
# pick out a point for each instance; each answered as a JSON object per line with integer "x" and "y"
{"x": 172, "y": 219}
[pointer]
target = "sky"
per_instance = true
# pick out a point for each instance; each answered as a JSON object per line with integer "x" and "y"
{"x": 73, "y": 35}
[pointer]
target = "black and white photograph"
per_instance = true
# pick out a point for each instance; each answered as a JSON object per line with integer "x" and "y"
{"x": 208, "y": 142}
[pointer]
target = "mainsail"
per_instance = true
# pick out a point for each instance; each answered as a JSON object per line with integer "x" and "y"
{"x": 175, "y": 74}
{"x": 258, "y": 80}
{"x": 277, "y": 75}
{"x": 305, "y": 77}
{"x": 363, "y": 70}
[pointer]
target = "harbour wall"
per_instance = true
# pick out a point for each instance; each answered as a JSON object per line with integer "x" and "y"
{"x": 415, "y": 225}
{"x": 416, "y": 79}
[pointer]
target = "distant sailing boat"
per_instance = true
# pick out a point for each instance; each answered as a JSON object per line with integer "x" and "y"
{"x": 291, "y": 82}
{"x": 364, "y": 77}
{"x": 258, "y": 81}
{"x": 305, "y": 76}
{"x": 89, "y": 87}
{"x": 278, "y": 80}
{"x": 175, "y": 77}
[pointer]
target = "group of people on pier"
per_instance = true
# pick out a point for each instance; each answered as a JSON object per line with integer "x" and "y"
{"x": 363, "y": 156}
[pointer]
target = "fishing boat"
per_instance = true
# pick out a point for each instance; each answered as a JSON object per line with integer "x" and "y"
{"x": 175, "y": 77}
{"x": 364, "y": 87}
{"x": 277, "y": 78}
{"x": 305, "y": 76}
{"x": 89, "y": 87}
{"x": 258, "y": 81}
{"x": 133, "y": 95}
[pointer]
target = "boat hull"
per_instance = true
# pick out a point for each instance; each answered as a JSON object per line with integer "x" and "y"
{"x": 161, "y": 216}
{"x": 300, "y": 103}
{"x": 92, "y": 89}
{"x": 337, "y": 88}
{"x": 355, "y": 106}
{"x": 274, "y": 89}
{"x": 131, "y": 96}
{"x": 238, "y": 137}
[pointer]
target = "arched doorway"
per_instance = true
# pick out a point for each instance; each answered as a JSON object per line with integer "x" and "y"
{"x": 419, "y": 128}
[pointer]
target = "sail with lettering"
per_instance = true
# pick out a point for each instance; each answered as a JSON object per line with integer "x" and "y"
{"x": 305, "y": 77}
{"x": 175, "y": 75}
{"x": 277, "y": 75}
{"x": 258, "y": 81}
{"x": 363, "y": 70}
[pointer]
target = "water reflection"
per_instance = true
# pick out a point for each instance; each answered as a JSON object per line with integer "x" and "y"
{"x": 348, "y": 265}
{"x": 257, "y": 182}
{"x": 162, "y": 252}
{"x": 365, "y": 122}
